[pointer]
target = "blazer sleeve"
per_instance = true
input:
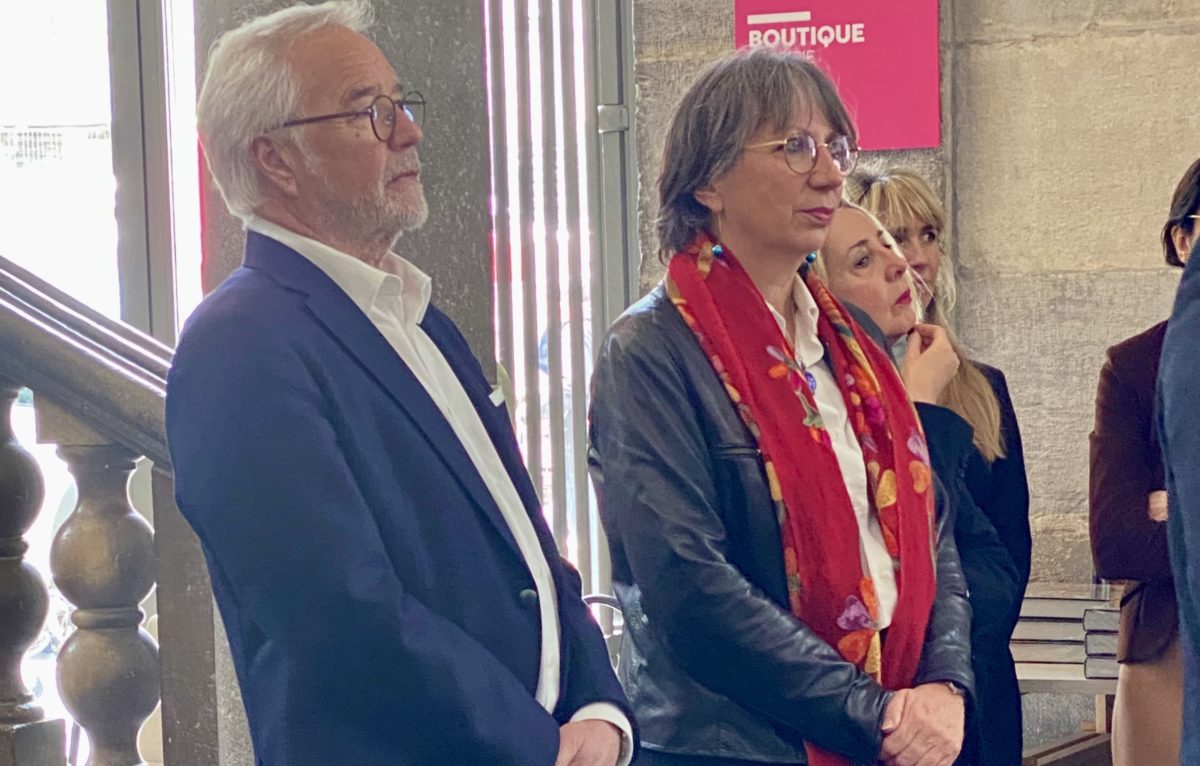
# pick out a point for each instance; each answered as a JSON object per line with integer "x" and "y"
{"x": 1008, "y": 508}
{"x": 993, "y": 582}
{"x": 946, "y": 655}
{"x": 1126, "y": 543}
{"x": 260, "y": 477}
{"x": 724, "y": 632}
{"x": 1179, "y": 431}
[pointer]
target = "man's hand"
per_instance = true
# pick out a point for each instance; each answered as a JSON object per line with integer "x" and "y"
{"x": 1158, "y": 505}
{"x": 930, "y": 727}
{"x": 588, "y": 743}
{"x": 930, "y": 362}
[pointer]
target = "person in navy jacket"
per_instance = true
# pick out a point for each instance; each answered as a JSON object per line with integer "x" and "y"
{"x": 1179, "y": 435}
{"x": 390, "y": 589}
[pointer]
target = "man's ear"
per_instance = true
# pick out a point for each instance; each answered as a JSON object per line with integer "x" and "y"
{"x": 709, "y": 197}
{"x": 276, "y": 164}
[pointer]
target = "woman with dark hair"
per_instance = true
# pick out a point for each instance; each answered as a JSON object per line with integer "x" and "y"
{"x": 790, "y": 589}
{"x": 992, "y": 468}
{"x": 1128, "y": 502}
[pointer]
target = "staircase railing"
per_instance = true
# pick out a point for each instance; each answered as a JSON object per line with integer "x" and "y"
{"x": 98, "y": 388}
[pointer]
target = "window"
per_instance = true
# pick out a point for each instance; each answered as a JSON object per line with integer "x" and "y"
{"x": 562, "y": 241}
{"x": 56, "y": 149}
{"x": 99, "y": 196}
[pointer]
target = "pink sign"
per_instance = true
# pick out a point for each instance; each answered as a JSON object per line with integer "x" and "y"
{"x": 882, "y": 54}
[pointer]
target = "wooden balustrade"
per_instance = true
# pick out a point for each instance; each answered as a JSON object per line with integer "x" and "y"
{"x": 102, "y": 559}
{"x": 99, "y": 388}
{"x": 26, "y": 736}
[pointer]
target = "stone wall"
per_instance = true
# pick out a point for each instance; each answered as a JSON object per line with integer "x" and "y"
{"x": 1065, "y": 129}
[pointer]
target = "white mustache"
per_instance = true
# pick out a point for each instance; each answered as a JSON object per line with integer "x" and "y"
{"x": 412, "y": 165}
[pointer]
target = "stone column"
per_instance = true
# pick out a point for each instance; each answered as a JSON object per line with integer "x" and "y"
{"x": 26, "y": 738}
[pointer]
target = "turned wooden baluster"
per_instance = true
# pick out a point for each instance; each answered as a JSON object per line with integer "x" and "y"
{"x": 103, "y": 563}
{"x": 25, "y": 736}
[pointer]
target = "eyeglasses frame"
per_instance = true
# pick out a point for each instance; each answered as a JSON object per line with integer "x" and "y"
{"x": 817, "y": 145}
{"x": 407, "y": 100}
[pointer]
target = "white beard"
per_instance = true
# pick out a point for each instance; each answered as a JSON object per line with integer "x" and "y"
{"x": 376, "y": 217}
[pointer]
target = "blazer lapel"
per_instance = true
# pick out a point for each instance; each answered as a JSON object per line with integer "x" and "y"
{"x": 332, "y": 308}
{"x": 494, "y": 417}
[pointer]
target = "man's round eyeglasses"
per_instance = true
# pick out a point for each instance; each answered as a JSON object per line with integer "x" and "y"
{"x": 800, "y": 152}
{"x": 381, "y": 112}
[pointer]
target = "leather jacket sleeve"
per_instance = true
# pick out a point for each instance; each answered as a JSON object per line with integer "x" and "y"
{"x": 661, "y": 508}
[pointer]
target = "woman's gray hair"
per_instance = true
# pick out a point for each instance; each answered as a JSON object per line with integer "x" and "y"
{"x": 249, "y": 88}
{"x": 732, "y": 98}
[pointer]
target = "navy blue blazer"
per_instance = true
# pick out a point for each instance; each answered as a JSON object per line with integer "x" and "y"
{"x": 377, "y": 606}
{"x": 1179, "y": 436}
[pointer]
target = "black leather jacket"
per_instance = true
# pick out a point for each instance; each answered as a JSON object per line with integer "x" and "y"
{"x": 712, "y": 660}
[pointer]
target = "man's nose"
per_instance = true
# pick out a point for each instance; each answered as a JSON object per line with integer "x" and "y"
{"x": 406, "y": 134}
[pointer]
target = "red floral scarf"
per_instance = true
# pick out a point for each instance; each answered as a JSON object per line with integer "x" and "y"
{"x": 827, "y": 586}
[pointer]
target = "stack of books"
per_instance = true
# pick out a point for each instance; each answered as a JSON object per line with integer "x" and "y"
{"x": 1100, "y": 641}
{"x": 1050, "y": 635}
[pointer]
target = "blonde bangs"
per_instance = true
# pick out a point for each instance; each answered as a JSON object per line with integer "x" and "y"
{"x": 899, "y": 197}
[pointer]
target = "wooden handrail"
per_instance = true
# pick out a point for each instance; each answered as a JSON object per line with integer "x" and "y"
{"x": 107, "y": 374}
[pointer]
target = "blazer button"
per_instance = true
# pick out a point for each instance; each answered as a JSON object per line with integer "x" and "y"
{"x": 528, "y": 598}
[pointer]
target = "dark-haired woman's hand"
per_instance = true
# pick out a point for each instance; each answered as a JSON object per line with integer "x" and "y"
{"x": 930, "y": 732}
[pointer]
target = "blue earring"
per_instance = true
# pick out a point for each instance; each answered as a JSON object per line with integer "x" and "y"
{"x": 718, "y": 251}
{"x": 811, "y": 258}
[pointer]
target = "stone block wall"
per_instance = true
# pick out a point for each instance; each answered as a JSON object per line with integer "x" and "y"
{"x": 1065, "y": 129}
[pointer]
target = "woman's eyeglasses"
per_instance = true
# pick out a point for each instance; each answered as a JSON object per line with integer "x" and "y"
{"x": 800, "y": 152}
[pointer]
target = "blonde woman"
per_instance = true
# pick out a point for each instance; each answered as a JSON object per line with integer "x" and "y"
{"x": 995, "y": 471}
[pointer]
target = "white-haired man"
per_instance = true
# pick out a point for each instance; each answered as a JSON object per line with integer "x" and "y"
{"x": 391, "y": 592}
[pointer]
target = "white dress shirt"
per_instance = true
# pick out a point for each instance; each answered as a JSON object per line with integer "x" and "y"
{"x": 811, "y": 353}
{"x": 394, "y": 298}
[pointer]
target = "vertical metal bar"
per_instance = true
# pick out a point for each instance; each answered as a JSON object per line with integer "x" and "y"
{"x": 125, "y": 77}
{"x": 602, "y": 313}
{"x": 501, "y": 215}
{"x": 553, "y": 289}
{"x": 631, "y": 259}
{"x": 615, "y": 258}
{"x": 533, "y": 399}
{"x": 156, "y": 148}
{"x": 577, "y": 356}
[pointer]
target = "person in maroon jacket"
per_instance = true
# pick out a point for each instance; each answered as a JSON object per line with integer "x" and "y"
{"x": 1128, "y": 503}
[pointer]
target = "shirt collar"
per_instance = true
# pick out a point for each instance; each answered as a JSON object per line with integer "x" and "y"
{"x": 397, "y": 281}
{"x": 806, "y": 343}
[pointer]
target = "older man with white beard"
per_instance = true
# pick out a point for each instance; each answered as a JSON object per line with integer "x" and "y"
{"x": 391, "y": 592}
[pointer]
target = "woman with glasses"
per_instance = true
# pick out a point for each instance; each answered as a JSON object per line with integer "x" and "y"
{"x": 1128, "y": 502}
{"x": 789, "y": 592}
{"x": 993, "y": 468}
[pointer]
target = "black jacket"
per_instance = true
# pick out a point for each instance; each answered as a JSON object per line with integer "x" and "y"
{"x": 995, "y": 580}
{"x": 712, "y": 659}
